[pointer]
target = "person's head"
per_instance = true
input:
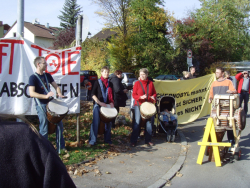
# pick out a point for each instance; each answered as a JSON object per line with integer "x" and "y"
{"x": 118, "y": 73}
{"x": 245, "y": 74}
{"x": 227, "y": 74}
{"x": 192, "y": 70}
{"x": 219, "y": 72}
{"x": 186, "y": 74}
{"x": 166, "y": 110}
{"x": 86, "y": 81}
{"x": 40, "y": 63}
{"x": 105, "y": 72}
{"x": 143, "y": 73}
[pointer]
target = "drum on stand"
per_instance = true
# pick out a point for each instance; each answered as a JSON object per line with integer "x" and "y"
{"x": 107, "y": 114}
{"x": 56, "y": 111}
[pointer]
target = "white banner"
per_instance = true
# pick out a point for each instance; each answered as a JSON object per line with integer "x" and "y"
{"x": 16, "y": 66}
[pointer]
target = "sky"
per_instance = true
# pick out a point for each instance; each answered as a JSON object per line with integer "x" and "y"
{"x": 48, "y": 10}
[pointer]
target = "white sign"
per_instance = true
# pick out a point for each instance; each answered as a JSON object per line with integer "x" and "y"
{"x": 189, "y": 62}
{"x": 16, "y": 66}
{"x": 189, "y": 53}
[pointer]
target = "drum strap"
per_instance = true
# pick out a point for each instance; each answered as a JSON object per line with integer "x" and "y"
{"x": 47, "y": 91}
{"x": 143, "y": 92}
{"x": 104, "y": 95}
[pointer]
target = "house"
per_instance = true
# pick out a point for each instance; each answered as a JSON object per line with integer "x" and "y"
{"x": 3, "y": 29}
{"x": 104, "y": 35}
{"x": 36, "y": 33}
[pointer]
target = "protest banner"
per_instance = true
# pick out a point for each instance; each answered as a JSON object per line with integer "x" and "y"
{"x": 16, "y": 66}
{"x": 191, "y": 96}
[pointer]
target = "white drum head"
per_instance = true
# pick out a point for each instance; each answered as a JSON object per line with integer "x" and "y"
{"x": 148, "y": 108}
{"x": 57, "y": 106}
{"x": 108, "y": 111}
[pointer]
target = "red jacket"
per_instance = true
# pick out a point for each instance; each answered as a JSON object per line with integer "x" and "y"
{"x": 137, "y": 91}
{"x": 240, "y": 77}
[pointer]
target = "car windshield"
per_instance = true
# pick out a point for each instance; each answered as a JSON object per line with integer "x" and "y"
{"x": 160, "y": 77}
{"x": 130, "y": 75}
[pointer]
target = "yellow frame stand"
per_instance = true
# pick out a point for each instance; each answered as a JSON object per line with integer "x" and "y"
{"x": 211, "y": 130}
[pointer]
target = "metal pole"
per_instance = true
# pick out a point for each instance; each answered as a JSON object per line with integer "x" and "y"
{"x": 20, "y": 26}
{"x": 78, "y": 43}
{"x": 79, "y": 31}
{"x": 20, "y": 18}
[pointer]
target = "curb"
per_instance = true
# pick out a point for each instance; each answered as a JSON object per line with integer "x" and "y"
{"x": 177, "y": 166}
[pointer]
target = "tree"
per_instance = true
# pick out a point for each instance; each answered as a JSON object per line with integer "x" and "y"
{"x": 64, "y": 38}
{"x": 217, "y": 32}
{"x": 70, "y": 12}
{"x": 116, "y": 13}
{"x": 150, "y": 44}
{"x": 94, "y": 55}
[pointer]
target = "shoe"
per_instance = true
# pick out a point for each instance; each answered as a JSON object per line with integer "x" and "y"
{"x": 150, "y": 143}
{"x": 132, "y": 144}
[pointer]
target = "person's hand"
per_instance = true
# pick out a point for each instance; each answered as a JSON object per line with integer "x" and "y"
{"x": 152, "y": 97}
{"x": 103, "y": 104}
{"x": 229, "y": 91}
{"x": 210, "y": 100}
{"x": 125, "y": 90}
{"x": 143, "y": 96}
{"x": 50, "y": 94}
{"x": 111, "y": 105}
{"x": 62, "y": 96}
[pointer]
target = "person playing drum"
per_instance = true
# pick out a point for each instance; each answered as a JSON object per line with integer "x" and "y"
{"x": 143, "y": 91}
{"x": 102, "y": 95}
{"x": 222, "y": 86}
{"x": 37, "y": 82}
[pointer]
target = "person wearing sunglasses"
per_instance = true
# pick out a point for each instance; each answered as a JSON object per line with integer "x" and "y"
{"x": 243, "y": 88}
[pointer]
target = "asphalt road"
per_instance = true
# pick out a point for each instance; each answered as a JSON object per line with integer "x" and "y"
{"x": 231, "y": 174}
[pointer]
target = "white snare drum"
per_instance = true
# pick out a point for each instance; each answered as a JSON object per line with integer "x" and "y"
{"x": 147, "y": 110}
{"x": 107, "y": 114}
{"x": 56, "y": 111}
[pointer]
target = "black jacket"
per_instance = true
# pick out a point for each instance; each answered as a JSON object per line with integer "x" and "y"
{"x": 119, "y": 96}
{"x": 29, "y": 160}
{"x": 96, "y": 90}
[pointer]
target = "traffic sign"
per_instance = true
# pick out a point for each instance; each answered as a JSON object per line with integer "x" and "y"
{"x": 189, "y": 53}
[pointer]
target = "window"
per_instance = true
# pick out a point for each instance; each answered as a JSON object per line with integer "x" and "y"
{"x": 14, "y": 34}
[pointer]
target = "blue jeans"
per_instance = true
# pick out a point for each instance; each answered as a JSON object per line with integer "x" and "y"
{"x": 94, "y": 127}
{"x": 136, "y": 127}
{"x": 244, "y": 96}
{"x": 43, "y": 127}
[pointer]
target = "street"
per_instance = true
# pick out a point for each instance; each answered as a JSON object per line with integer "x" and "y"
{"x": 230, "y": 175}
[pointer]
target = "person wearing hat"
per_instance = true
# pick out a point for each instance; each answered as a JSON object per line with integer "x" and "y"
{"x": 243, "y": 88}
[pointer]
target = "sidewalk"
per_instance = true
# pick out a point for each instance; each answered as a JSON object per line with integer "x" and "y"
{"x": 142, "y": 166}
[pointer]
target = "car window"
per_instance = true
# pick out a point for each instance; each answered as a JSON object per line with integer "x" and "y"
{"x": 168, "y": 77}
{"x": 130, "y": 75}
{"x": 160, "y": 77}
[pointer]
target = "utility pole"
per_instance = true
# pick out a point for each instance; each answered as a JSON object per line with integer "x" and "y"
{"x": 20, "y": 18}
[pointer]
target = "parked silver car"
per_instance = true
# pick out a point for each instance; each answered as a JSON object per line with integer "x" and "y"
{"x": 128, "y": 79}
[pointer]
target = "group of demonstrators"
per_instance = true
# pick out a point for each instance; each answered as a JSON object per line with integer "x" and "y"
{"x": 105, "y": 92}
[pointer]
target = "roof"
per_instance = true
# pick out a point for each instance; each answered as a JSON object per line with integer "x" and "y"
{"x": 104, "y": 34}
{"x": 39, "y": 30}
